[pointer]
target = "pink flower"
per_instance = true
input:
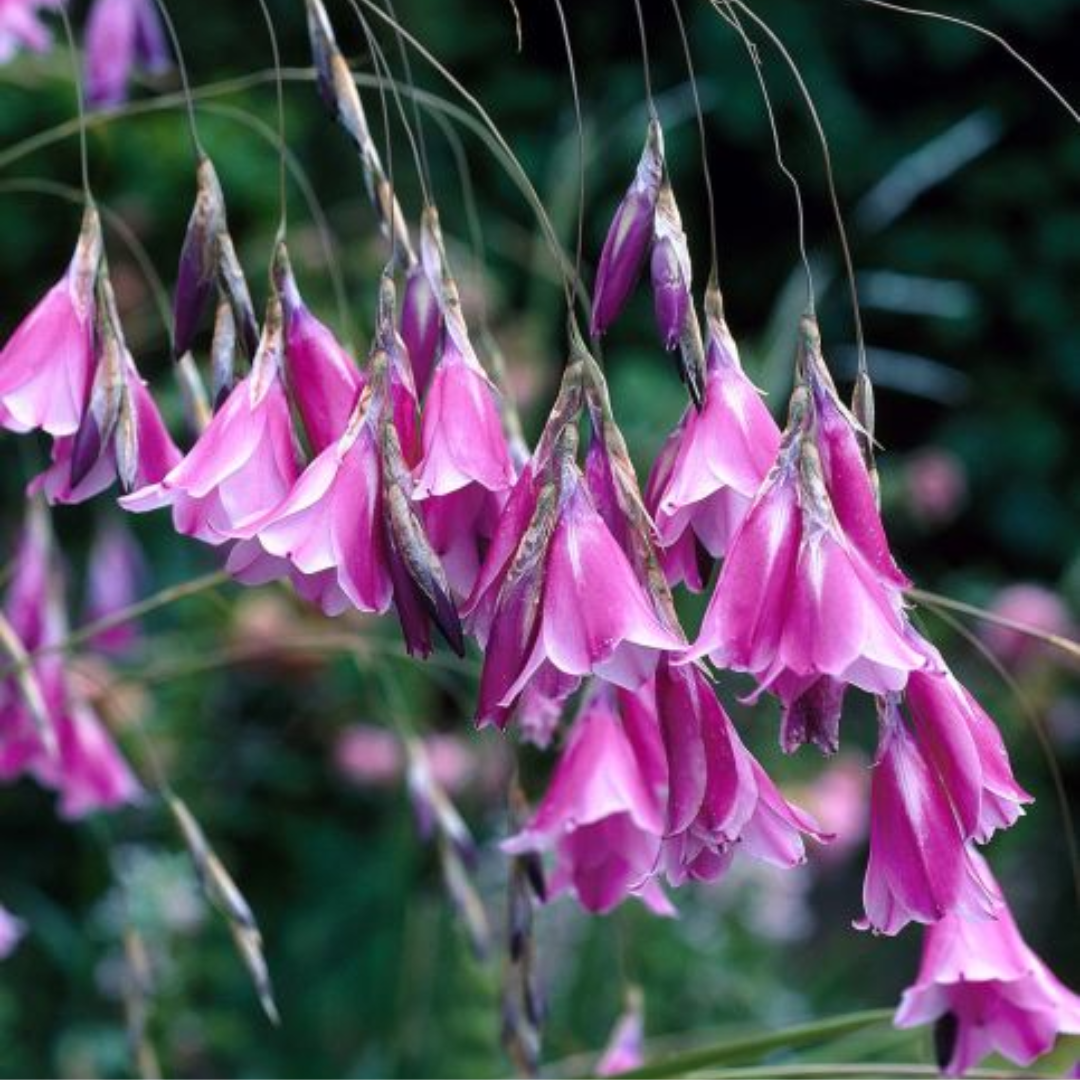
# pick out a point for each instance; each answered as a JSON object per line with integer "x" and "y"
{"x": 11, "y": 930}
{"x": 715, "y": 461}
{"x": 720, "y": 799}
{"x": 987, "y": 992}
{"x": 601, "y": 814}
{"x": 324, "y": 382}
{"x": 1029, "y": 605}
{"x": 421, "y": 323}
{"x": 630, "y": 235}
{"x": 936, "y": 483}
{"x": 922, "y": 866}
{"x": 21, "y": 27}
{"x": 243, "y": 464}
{"x": 568, "y": 605}
{"x": 120, "y": 36}
{"x": 115, "y": 575}
{"x": 47, "y": 364}
{"x": 465, "y": 473}
{"x": 626, "y": 1046}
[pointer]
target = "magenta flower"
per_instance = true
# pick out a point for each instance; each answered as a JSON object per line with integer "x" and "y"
{"x": 987, "y": 991}
{"x": 116, "y": 573}
{"x": 465, "y": 473}
{"x": 922, "y": 866}
{"x": 21, "y": 26}
{"x": 714, "y": 463}
{"x": 47, "y": 364}
{"x": 630, "y": 235}
{"x": 569, "y": 603}
{"x": 121, "y": 35}
{"x": 12, "y": 929}
{"x": 324, "y": 382}
{"x": 421, "y": 323}
{"x": 601, "y": 814}
{"x": 244, "y": 463}
{"x": 720, "y": 799}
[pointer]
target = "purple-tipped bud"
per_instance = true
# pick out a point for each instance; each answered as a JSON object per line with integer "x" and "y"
{"x": 420, "y": 325}
{"x": 198, "y": 257}
{"x": 671, "y": 298}
{"x": 630, "y": 235}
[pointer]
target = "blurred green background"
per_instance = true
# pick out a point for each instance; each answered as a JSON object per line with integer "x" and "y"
{"x": 960, "y": 179}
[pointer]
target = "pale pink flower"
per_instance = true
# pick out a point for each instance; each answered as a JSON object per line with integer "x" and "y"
{"x": 601, "y": 815}
{"x": 121, "y": 35}
{"x": 1029, "y": 605}
{"x": 12, "y": 929}
{"x": 936, "y": 485}
{"x": 986, "y": 991}
{"x": 47, "y": 364}
{"x": 625, "y": 1049}
{"x": 21, "y": 26}
{"x": 116, "y": 574}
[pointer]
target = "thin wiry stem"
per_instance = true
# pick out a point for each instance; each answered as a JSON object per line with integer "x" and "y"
{"x": 421, "y": 142}
{"x": 834, "y": 199}
{"x": 645, "y": 66}
{"x": 714, "y": 259}
{"x": 731, "y": 16}
{"x": 1032, "y": 70}
{"x": 185, "y": 84}
{"x": 580, "y": 127}
{"x": 279, "y": 84}
{"x": 80, "y": 104}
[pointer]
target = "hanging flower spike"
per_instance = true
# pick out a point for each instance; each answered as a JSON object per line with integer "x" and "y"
{"x": 720, "y": 799}
{"x": 465, "y": 474}
{"x": 116, "y": 574}
{"x": 629, "y": 236}
{"x": 570, "y": 602}
{"x": 208, "y": 259}
{"x": 21, "y": 26}
{"x": 420, "y": 324}
{"x": 120, "y": 36}
{"x": 922, "y": 866}
{"x": 47, "y": 364}
{"x": 601, "y": 814}
{"x": 121, "y": 435}
{"x": 985, "y": 991}
{"x": 796, "y": 600}
{"x": 244, "y": 463}
{"x": 323, "y": 380}
{"x": 966, "y": 748}
{"x": 714, "y": 463}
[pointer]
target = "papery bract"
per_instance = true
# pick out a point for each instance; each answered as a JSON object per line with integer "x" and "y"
{"x": 987, "y": 991}
{"x": 47, "y": 364}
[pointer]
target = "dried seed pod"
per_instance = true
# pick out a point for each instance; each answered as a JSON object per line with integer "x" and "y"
{"x": 223, "y": 353}
{"x": 234, "y": 285}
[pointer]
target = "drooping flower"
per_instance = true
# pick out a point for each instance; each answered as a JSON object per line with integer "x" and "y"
{"x": 121, "y": 434}
{"x": 323, "y": 380}
{"x": 421, "y": 323}
{"x": 121, "y": 35}
{"x": 630, "y": 235}
{"x": 986, "y": 991}
{"x": 21, "y": 26}
{"x": 244, "y": 463}
{"x": 625, "y": 1049}
{"x": 922, "y": 865}
{"x": 601, "y": 814}
{"x": 715, "y": 461}
{"x": 47, "y": 365}
{"x": 808, "y": 589}
{"x": 115, "y": 574}
{"x": 720, "y": 800}
{"x": 465, "y": 473}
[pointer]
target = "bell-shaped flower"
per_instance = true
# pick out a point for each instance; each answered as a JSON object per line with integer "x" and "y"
{"x": 712, "y": 467}
{"x": 121, "y": 35}
{"x": 121, "y": 434}
{"x": 922, "y": 866}
{"x": 244, "y": 463}
{"x": 47, "y": 364}
{"x": 323, "y": 380}
{"x": 630, "y": 235}
{"x": 795, "y": 598}
{"x": 21, "y": 26}
{"x": 569, "y": 600}
{"x": 601, "y": 814}
{"x": 720, "y": 800}
{"x": 985, "y": 991}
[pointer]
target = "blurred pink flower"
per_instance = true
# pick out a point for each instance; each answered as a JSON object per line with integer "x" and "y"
{"x": 115, "y": 575}
{"x": 935, "y": 481}
{"x": 371, "y": 756}
{"x": 837, "y": 798}
{"x": 120, "y": 36}
{"x": 1031, "y": 605}
{"x": 987, "y": 991}
{"x": 21, "y": 26}
{"x": 626, "y": 1046}
{"x": 11, "y": 928}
